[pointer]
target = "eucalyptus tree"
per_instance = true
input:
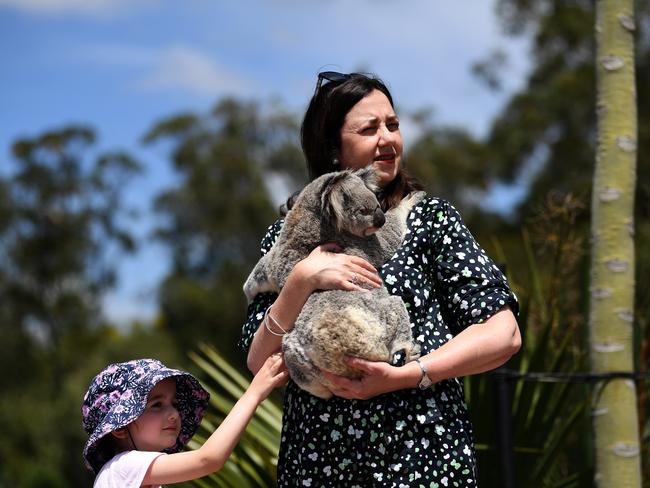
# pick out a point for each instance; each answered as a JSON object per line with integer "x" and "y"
{"x": 230, "y": 163}
{"x": 62, "y": 221}
{"x": 611, "y": 315}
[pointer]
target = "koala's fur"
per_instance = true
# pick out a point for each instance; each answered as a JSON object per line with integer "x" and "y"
{"x": 339, "y": 207}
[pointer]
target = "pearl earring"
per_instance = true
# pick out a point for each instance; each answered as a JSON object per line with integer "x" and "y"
{"x": 335, "y": 161}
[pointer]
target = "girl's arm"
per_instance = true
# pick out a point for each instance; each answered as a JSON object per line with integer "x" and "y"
{"x": 212, "y": 455}
{"x": 478, "y": 348}
{"x": 321, "y": 270}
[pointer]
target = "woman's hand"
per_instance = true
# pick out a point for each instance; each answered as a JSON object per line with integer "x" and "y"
{"x": 323, "y": 269}
{"x": 378, "y": 378}
{"x": 328, "y": 269}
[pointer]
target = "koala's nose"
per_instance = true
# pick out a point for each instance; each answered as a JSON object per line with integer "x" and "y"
{"x": 378, "y": 218}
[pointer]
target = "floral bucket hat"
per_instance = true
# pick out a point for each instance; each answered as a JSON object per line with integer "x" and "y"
{"x": 118, "y": 395}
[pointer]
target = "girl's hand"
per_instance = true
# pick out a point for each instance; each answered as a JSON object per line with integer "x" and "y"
{"x": 378, "y": 378}
{"x": 272, "y": 374}
{"x": 327, "y": 269}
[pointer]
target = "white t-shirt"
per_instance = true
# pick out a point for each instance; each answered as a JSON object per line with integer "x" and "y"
{"x": 126, "y": 470}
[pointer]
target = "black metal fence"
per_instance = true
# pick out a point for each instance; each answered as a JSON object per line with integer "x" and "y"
{"x": 505, "y": 378}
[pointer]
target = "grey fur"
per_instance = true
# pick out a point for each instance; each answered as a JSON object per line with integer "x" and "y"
{"x": 339, "y": 207}
{"x": 333, "y": 324}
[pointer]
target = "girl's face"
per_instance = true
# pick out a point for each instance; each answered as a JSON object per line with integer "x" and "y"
{"x": 370, "y": 135}
{"x": 160, "y": 423}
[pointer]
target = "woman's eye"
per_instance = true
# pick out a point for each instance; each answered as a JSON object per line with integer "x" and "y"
{"x": 393, "y": 125}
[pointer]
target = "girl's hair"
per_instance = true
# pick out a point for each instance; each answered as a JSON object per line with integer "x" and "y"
{"x": 320, "y": 133}
{"x": 107, "y": 448}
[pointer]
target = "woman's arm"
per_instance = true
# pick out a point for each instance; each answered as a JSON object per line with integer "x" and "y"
{"x": 212, "y": 455}
{"x": 479, "y": 348}
{"x": 321, "y": 270}
{"x": 286, "y": 309}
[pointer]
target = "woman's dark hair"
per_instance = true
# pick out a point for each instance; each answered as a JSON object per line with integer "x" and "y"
{"x": 320, "y": 134}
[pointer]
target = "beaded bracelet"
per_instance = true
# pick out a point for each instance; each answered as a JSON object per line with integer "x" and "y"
{"x": 268, "y": 316}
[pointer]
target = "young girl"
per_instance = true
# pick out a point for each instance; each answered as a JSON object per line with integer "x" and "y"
{"x": 140, "y": 414}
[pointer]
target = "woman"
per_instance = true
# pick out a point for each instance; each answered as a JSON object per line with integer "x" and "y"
{"x": 399, "y": 425}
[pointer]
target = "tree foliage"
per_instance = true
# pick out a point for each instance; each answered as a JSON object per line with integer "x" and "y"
{"x": 228, "y": 161}
{"x": 59, "y": 214}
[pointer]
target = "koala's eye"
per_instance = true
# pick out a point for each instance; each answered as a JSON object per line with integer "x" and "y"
{"x": 367, "y": 211}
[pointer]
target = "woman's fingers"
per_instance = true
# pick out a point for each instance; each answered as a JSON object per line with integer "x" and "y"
{"x": 361, "y": 277}
{"x": 358, "y": 282}
{"x": 372, "y": 279}
{"x": 360, "y": 262}
{"x": 342, "y": 387}
{"x": 330, "y": 269}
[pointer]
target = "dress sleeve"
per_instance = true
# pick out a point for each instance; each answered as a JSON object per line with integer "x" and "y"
{"x": 261, "y": 301}
{"x": 471, "y": 286}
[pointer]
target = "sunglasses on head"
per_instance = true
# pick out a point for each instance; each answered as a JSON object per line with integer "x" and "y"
{"x": 330, "y": 76}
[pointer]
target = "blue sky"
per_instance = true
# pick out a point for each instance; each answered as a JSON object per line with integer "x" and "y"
{"x": 120, "y": 65}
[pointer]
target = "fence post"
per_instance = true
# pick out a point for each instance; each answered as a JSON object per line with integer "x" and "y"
{"x": 504, "y": 428}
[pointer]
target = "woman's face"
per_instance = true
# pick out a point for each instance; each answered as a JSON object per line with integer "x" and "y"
{"x": 370, "y": 135}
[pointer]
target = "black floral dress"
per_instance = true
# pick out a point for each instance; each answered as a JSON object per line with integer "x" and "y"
{"x": 408, "y": 437}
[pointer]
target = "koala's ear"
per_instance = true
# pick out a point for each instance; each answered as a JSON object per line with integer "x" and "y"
{"x": 332, "y": 197}
{"x": 369, "y": 177}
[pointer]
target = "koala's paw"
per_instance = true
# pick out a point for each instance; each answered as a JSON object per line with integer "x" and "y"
{"x": 414, "y": 353}
{"x": 258, "y": 282}
{"x": 413, "y": 199}
{"x": 404, "y": 353}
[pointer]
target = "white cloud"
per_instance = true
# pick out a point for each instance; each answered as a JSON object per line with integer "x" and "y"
{"x": 423, "y": 51}
{"x": 177, "y": 68}
{"x": 187, "y": 69}
{"x": 76, "y": 7}
{"x": 120, "y": 55}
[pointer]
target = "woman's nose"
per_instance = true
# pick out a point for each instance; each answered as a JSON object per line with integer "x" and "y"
{"x": 385, "y": 135}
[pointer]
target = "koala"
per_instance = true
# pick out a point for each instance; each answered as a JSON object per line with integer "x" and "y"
{"x": 340, "y": 207}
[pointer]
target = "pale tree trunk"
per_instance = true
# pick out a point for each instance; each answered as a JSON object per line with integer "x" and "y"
{"x": 611, "y": 316}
